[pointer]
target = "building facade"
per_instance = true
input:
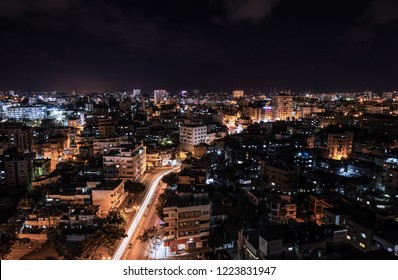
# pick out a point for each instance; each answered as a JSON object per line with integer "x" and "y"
{"x": 187, "y": 222}
{"x": 282, "y": 178}
{"x": 18, "y": 169}
{"x": 128, "y": 162}
{"x": 109, "y": 195}
{"x": 339, "y": 145}
{"x": 27, "y": 112}
{"x": 192, "y": 135}
{"x": 282, "y": 106}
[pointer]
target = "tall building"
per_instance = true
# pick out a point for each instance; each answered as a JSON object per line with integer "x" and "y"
{"x": 160, "y": 96}
{"x": 52, "y": 149}
{"x": 256, "y": 114}
{"x": 192, "y": 135}
{"x": 136, "y": 92}
{"x": 282, "y": 178}
{"x": 282, "y": 106}
{"x": 187, "y": 219}
{"x": 127, "y": 162}
{"x": 106, "y": 127}
{"x": 238, "y": 94}
{"x": 18, "y": 169}
{"x": 339, "y": 145}
{"x": 18, "y": 135}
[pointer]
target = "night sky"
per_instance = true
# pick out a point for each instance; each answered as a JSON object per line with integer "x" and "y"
{"x": 259, "y": 45}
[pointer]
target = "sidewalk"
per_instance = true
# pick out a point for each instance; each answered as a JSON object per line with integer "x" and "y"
{"x": 159, "y": 252}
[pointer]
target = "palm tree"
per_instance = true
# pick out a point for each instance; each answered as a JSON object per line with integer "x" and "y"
{"x": 25, "y": 203}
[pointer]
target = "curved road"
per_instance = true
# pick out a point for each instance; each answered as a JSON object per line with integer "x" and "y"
{"x": 147, "y": 201}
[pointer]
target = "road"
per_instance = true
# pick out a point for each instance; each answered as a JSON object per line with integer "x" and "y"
{"x": 145, "y": 217}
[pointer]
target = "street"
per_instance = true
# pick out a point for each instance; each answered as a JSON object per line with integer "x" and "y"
{"x": 144, "y": 218}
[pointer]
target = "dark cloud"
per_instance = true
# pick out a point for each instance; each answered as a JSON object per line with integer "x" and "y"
{"x": 249, "y": 10}
{"x": 20, "y": 9}
{"x": 196, "y": 43}
{"x": 135, "y": 28}
{"x": 379, "y": 13}
{"x": 100, "y": 18}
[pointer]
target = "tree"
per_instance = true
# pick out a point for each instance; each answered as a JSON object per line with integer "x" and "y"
{"x": 170, "y": 179}
{"x": 101, "y": 243}
{"x": 134, "y": 186}
{"x": 159, "y": 210}
{"x": 162, "y": 199}
{"x": 25, "y": 203}
{"x": 217, "y": 236}
{"x": 97, "y": 246}
{"x": 8, "y": 237}
{"x": 113, "y": 225}
{"x": 149, "y": 234}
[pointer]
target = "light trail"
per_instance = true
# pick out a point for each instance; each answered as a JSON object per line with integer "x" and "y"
{"x": 133, "y": 227}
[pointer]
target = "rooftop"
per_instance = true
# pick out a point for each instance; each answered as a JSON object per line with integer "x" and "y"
{"x": 358, "y": 214}
{"x": 186, "y": 201}
{"x": 108, "y": 185}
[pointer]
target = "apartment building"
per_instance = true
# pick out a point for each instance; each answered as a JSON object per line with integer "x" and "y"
{"x": 17, "y": 135}
{"x": 282, "y": 178}
{"x": 27, "y": 112}
{"x": 282, "y": 106}
{"x": 109, "y": 195}
{"x": 339, "y": 145}
{"x": 18, "y": 169}
{"x": 127, "y": 162}
{"x": 105, "y": 144}
{"x": 192, "y": 135}
{"x": 187, "y": 218}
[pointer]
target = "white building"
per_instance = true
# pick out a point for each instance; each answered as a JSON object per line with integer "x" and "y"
{"x": 160, "y": 96}
{"x": 125, "y": 162}
{"x": 192, "y": 135}
{"x": 27, "y": 112}
{"x": 104, "y": 145}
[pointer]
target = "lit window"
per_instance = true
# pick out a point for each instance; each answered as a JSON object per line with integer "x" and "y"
{"x": 348, "y": 237}
{"x": 363, "y": 235}
{"x": 362, "y": 245}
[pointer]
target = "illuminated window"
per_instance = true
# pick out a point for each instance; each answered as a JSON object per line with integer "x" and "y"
{"x": 363, "y": 235}
{"x": 348, "y": 237}
{"x": 362, "y": 245}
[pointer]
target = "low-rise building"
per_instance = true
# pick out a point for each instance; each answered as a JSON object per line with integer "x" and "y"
{"x": 109, "y": 195}
{"x": 286, "y": 241}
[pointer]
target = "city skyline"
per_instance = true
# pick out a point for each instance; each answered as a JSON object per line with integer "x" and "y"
{"x": 211, "y": 45}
